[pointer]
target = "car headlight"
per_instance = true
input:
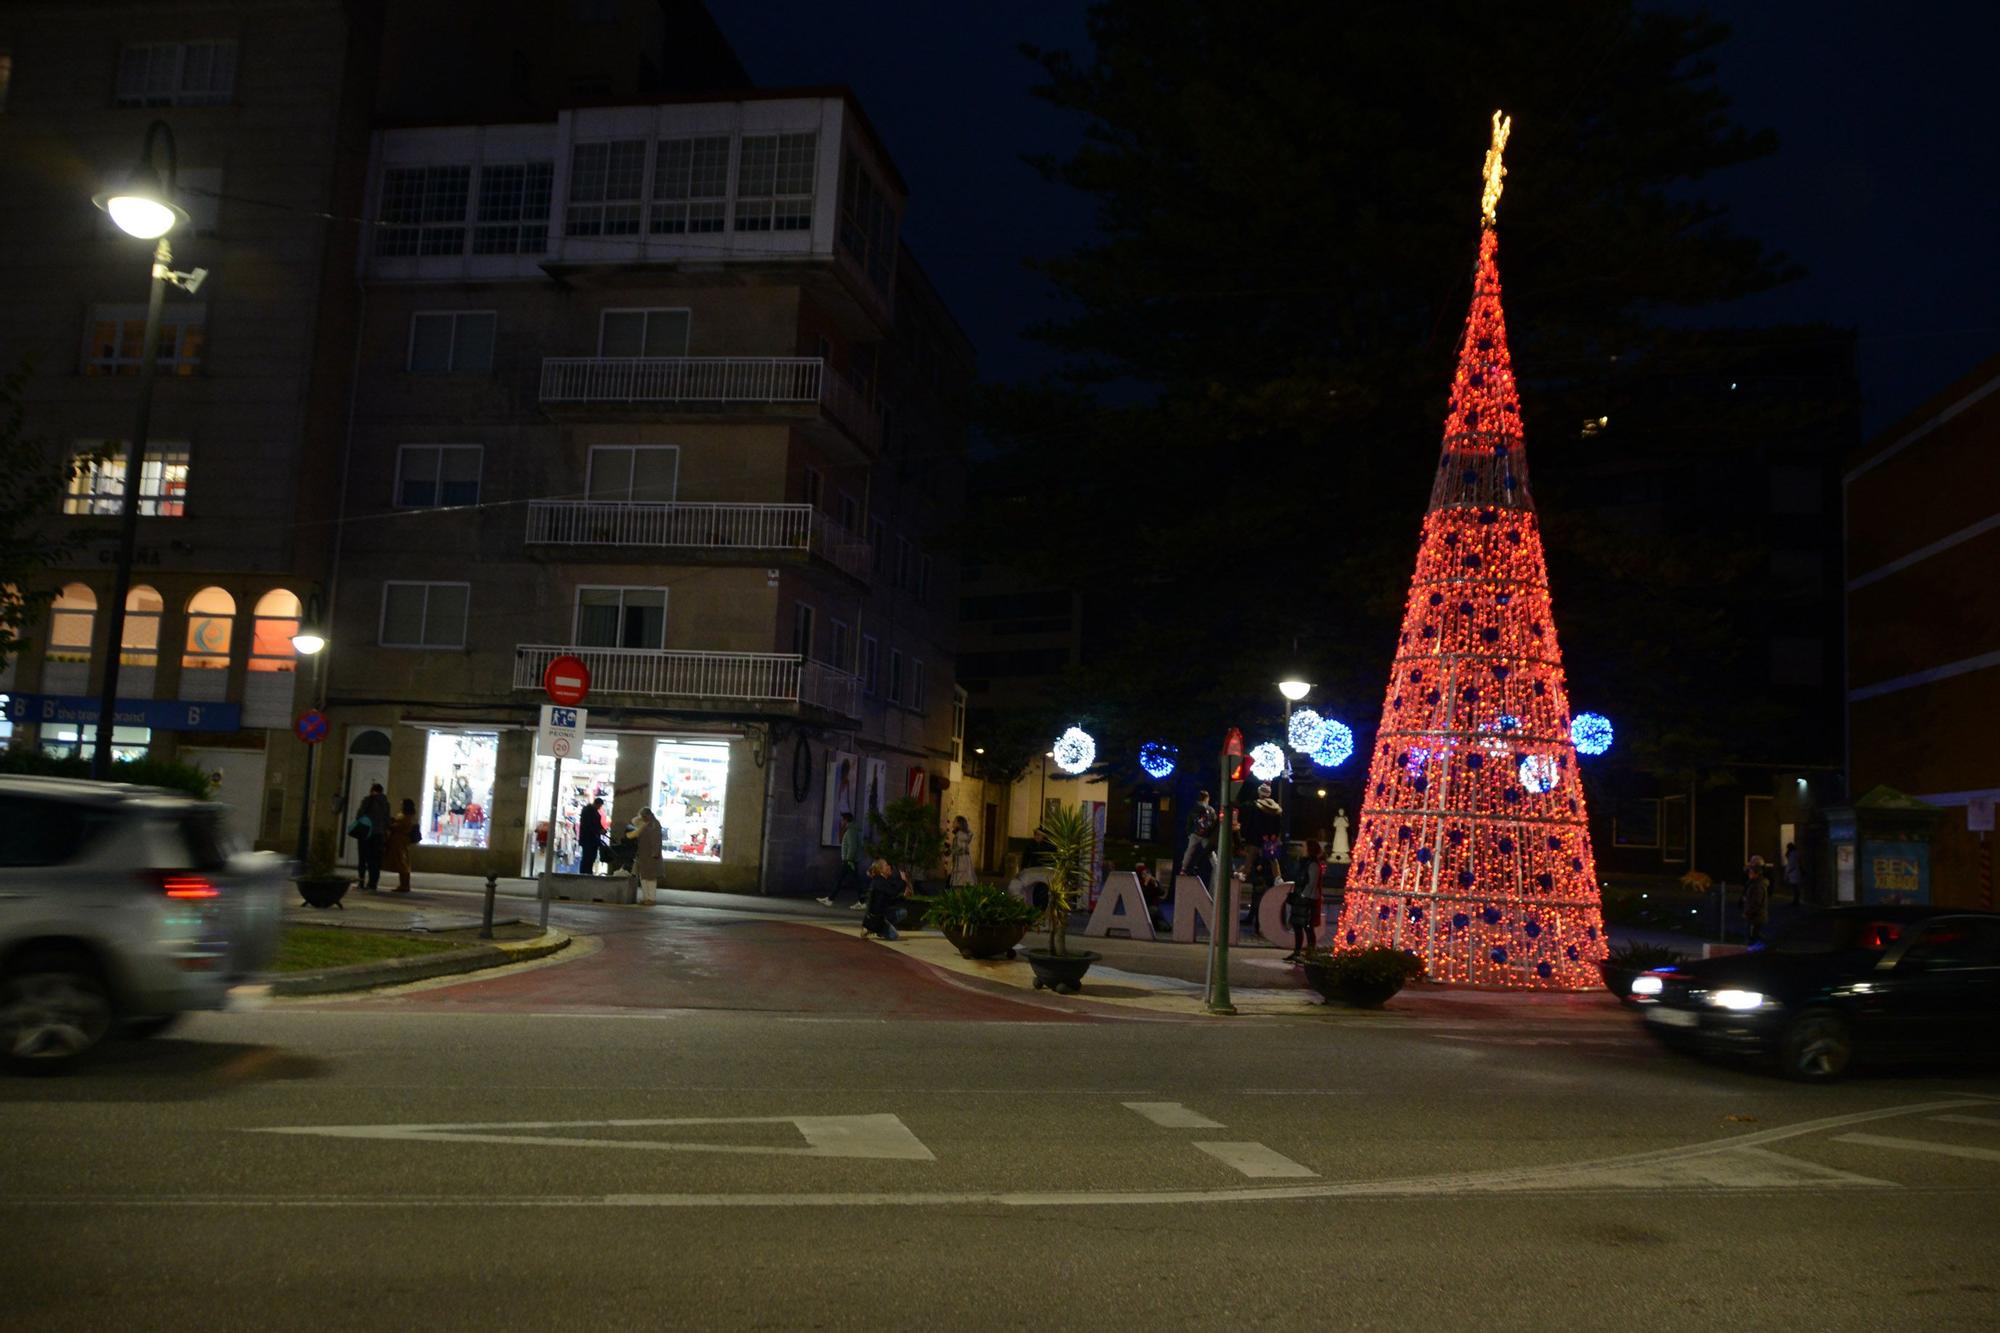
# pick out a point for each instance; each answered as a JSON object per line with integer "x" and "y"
{"x": 1736, "y": 999}
{"x": 1647, "y": 985}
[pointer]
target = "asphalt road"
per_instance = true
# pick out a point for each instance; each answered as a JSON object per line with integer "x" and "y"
{"x": 709, "y": 1121}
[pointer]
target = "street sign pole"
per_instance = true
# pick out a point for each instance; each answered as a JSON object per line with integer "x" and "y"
{"x": 1217, "y": 1001}
{"x": 561, "y": 733}
{"x": 549, "y": 864}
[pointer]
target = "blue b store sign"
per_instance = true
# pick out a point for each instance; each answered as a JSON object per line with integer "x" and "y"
{"x": 159, "y": 714}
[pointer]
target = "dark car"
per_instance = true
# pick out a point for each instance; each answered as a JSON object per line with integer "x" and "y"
{"x": 1850, "y": 984}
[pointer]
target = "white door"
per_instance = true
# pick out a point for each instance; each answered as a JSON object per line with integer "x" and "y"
{"x": 363, "y": 771}
{"x": 238, "y": 778}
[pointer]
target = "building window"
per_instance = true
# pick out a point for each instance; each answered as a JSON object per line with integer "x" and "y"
{"x": 802, "y": 630}
{"x": 1143, "y": 815}
{"x": 452, "y": 342}
{"x": 919, "y": 684}
{"x": 841, "y": 650}
{"x": 849, "y": 511}
{"x": 774, "y": 182}
{"x": 633, "y": 474}
{"x": 140, "y": 646}
{"x": 98, "y": 484}
{"x": 513, "y": 209}
{"x": 867, "y": 223}
{"x": 811, "y": 487}
{"x": 424, "y": 615}
{"x": 435, "y": 475}
{"x": 895, "y": 675}
{"x": 1636, "y": 823}
{"x": 606, "y": 183}
{"x": 176, "y": 74}
{"x": 72, "y": 621}
{"x": 643, "y": 333}
{"x": 878, "y": 544}
{"x": 958, "y": 726}
{"x": 621, "y": 618}
{"x": 902, "y": 562}
{"x": 423, "y": 211}
{"x": 690, "y": 185}
{"x": 117, "y": 338}
{"x": 871, "y": 664}
{"x": 274, "y": 620}
{"x": 211, "y": 624}
{"x": 128, "y": 744}
{"x": 924, "y": 579}
{"x": 690, "y": 790}
{"x": 458, "y": 787}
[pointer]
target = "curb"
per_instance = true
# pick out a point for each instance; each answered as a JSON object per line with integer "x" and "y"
{"x": 368, "y": 976}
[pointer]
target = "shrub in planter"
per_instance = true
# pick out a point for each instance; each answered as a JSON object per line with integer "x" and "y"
{"x": 1072, "y": 840}
{"x": 980, "y": 920}
{"x": 1364, "y": 978}
{"x": 1627, "y": 961}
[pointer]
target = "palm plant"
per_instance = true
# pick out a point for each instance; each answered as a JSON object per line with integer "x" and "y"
{"x": 1072, "y": 844}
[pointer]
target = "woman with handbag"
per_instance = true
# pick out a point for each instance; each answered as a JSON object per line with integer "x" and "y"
{"x": 403, "y": 831}
{"x": 1304, "y": 903}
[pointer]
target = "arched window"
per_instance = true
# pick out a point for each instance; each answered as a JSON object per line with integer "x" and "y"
{"x": 141, "y": 646}
{"x": 72, "y": 617}
{"x": 275, "y": 621}
{"x": 211, "y": 623}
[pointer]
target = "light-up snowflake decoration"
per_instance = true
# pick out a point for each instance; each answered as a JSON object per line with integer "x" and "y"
{"x": 1075, "y": 750}
{"x": 1158, "y": 758}
{"x": 1591, "y": 732}
{"x": 1267, "y": 762}
{"x": 1336, "y": 745}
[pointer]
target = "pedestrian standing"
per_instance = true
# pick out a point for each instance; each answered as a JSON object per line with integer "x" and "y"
{"x": 396, "y": 850}
{"x": 1756, "y": 898}
{"x": 1150, "y": 890}
{"x": 1306, "y": 904}
{"x": 1201, "y": 827}
{"x": 961, "y": 852}
{"x": 849, "y": 874}
{"x": 370, "y": 831}
{"x": 1795, "y": 874}
{"x": 647, "y": 861}
{"x": 881, "y": 910}
{"x": 590, "y": 835}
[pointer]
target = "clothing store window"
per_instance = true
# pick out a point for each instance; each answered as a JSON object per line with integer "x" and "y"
{"x": 690, "y": 783}
{"x": 458, "y": 787}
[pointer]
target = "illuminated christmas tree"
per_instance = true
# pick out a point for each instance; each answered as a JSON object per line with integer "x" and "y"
{"x": 1473, "y": 850}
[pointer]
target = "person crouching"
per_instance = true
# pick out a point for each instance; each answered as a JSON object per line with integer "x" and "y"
{"x": 883, "y": 910}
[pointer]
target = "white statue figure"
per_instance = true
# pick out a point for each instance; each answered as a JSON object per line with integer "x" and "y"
{"x": 1339, "y": 854}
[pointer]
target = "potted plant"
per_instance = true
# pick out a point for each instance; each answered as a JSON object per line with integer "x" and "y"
{"x": 981, "y": 920}
{"x": 1624, "y": 964}
{"x": 322, "y": 885}
{"x": 907, "y": 836}
{"x": 1072, "y": 840}
{"x": 1363, "y": 978}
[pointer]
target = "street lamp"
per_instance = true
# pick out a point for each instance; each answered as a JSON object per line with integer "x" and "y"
{"x": 309, "y": 641}
{"x": 143, "y": 207}
{"x": 1294, "y": 690}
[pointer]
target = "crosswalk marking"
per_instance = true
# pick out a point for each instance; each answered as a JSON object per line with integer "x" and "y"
{"x": 1921, "y": 1145}
{"x": 1983, "y": 1121}
{"x": 1256, "y": 1161}
{"x": 1172, "y": 1115}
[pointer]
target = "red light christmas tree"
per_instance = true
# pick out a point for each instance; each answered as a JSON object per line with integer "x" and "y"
{"x": 1474, "y": 851}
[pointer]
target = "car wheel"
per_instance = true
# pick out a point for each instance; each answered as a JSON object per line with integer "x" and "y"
{"x": 1817, "y": 1047}
{"x": 53, "y": 1008}
{"x": 150, "y": 1026}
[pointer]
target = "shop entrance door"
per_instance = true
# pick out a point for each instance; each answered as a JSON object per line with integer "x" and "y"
{"x": 367, "y": 764}
{"x": 584, "y": 777}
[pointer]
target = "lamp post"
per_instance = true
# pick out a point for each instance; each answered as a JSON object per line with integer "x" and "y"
{"x": 310, "y": 642}
{"x": 1294, "y": 690}
{"x": 143, "y": 207}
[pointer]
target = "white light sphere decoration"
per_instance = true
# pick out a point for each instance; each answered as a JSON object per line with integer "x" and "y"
{"x": 1075, "y": 750}
{"x": 1267, "y": 761}
{"x": 1306, "y": 730}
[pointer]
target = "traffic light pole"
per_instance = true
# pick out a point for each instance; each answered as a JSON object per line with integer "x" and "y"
{"x": 1220, "y": 926}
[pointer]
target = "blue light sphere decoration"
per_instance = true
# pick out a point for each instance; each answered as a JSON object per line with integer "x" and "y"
{"x": 1267, "y": 761}
{"x": 1306, "y": 730}
{"x": 1075, "y": 750}
{"x": 1538, "y": 773}
{"x": 1591, "y": 732}
{"x": 1336, "y": 745}
{"x": 1158, "y": 758}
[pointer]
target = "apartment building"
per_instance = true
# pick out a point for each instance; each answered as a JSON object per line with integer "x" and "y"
{"x": 268, "y": 106}
{"x": 656, "y": 385}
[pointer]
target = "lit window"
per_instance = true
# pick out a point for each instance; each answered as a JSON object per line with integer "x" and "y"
{"x": 690, "y": 790}
{"x": 690, "y": 185}
{"x": 423, "y": 211}
{"x": 274, "y": 621}
{"x": 606, "y": 183}
{"x": 141, "y": 638}
{"x": 621, "y": 618}
{"x": 98, "y": 484}
{"x": 211, "y": 623}
{"x": 633, "y": 474}
{"x": 513, "y": 209}
{"x": 117, "y": 339}
{"x": 434, "y": 475}
{"x": 176, "y": 74}
{"x": 128, "y": 744}
{"x": 458, "y": 787}
{"x": 424, "y": 615}
{"x": 774, "y": 182}
{"x": 452, "y": 342}
{"x": 72, "y": 619}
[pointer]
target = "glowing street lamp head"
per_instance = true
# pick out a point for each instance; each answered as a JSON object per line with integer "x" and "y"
{"x": 308, "y": 641}
{"x": 144, "y": 205}
{"x": 1295, "y": 689}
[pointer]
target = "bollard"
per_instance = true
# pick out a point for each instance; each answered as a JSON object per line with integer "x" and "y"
{"x": 486, "y": 920}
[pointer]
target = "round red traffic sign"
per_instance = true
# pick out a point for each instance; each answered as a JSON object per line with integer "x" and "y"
{"x": 310, "y": 726}
{"x": 567, "y": 680}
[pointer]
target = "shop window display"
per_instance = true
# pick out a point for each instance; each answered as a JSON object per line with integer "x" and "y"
{"x": 690, "y": 780}
{"x": 584, "y": 777}
{"x": 458, "y": 787}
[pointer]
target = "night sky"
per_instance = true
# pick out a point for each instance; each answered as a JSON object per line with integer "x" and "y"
{"x": 1883, "y": 186}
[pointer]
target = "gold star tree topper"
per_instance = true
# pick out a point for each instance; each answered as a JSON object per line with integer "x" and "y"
{"x": 1489, "y": 198}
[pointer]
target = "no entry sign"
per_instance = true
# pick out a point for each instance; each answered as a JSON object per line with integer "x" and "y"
{"x": 567, "y": 680}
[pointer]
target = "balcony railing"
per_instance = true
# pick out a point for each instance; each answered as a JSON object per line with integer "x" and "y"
{"x": 744, "y": 527}
{"x": 752, "y": 678}
{"x": 710, "y": 381}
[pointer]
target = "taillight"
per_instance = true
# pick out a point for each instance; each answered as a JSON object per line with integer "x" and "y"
{"x": 179, "y": 885}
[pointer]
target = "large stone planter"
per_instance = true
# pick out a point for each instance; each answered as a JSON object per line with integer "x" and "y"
{"x": 986, "y": 941}
{"x": 1061, "y": 973}
{"x": 595, "y": 888}
{"x": 1356, "y": 994}
{"x": 323, "y": 890}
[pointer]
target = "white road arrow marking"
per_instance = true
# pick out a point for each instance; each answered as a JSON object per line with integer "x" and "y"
{"x": 1257, "y": 1161}
{"x": 1921, "y": 1145}
{"x": 871, "y": 1136}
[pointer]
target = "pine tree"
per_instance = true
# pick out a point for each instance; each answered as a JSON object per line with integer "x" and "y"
{"x": 1474, "y": 851}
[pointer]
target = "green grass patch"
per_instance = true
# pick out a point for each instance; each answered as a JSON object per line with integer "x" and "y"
{"x": 310, "y": 948}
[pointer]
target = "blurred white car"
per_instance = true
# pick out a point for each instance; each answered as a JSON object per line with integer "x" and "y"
{"x": 121, "y": 908}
